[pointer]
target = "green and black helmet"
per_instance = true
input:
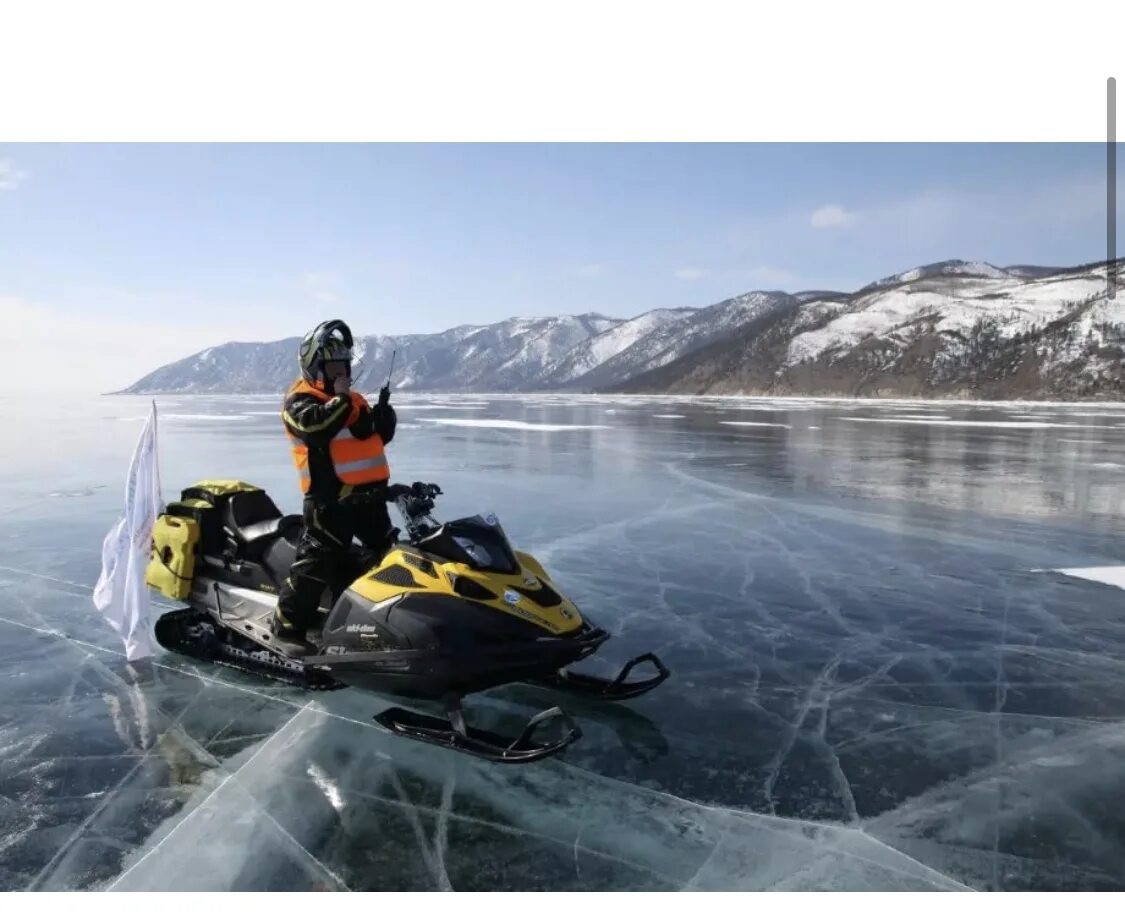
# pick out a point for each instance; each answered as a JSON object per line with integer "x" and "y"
{"x": 330, "y": 341}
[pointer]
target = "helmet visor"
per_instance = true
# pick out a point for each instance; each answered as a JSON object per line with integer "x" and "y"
{"x": 335, "y": 350}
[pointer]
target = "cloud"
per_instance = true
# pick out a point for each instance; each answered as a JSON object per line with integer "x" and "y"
{"x": 11, "y": 176}
{"x": 689, "y": 272}
{"x": 590, "y": 270}
{"x": 831, "y": 216}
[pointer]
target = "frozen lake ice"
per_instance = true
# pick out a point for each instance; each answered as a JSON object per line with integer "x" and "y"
{"x": 881, "y": 679}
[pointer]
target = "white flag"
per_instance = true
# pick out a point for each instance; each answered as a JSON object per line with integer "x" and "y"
{"x": 121, "y": 594}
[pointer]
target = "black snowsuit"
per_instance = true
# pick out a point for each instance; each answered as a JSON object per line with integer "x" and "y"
{"x": 333, "y": 513}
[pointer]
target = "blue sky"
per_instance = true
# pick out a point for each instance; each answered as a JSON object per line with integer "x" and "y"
{"x": 176, "y": 245}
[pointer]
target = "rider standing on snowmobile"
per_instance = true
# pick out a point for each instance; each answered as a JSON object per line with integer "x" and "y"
{"x": 338, "y": 444}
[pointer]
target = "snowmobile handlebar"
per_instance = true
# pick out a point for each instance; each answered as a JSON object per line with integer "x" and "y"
{"x": 415, "y": 490}
{"x": 415, "y": 502}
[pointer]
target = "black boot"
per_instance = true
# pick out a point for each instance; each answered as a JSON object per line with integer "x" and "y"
{"x": 287, "y": 634}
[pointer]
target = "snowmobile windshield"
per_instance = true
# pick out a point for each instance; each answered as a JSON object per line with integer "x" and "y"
{"x": 477, "y": 543}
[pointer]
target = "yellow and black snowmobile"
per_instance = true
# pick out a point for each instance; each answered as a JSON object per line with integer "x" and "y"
{"x": 451, "y": 610}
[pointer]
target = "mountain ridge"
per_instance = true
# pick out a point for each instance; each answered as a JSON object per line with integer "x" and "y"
{"x": 952, "y": 327}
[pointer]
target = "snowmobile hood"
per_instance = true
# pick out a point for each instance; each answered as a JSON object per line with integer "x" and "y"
{"x": 527, "y": 594}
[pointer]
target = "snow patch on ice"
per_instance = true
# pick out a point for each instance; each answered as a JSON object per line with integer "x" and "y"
{"x": 768, "y": 425}
{"x": 1106, "y": 575}
{"x": 512, "y": 424}
{"x": 1105, "y": 415}
{"x": 1057, "y": 761}
{"x": 402, "y": 406}
{"x": 765, "y": 408}
{"x": 977, "y": 423}
{"x": 205, "y": 416}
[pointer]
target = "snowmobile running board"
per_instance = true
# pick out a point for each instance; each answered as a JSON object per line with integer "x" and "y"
{"x": 454, "y": 733}
{"x": 603, "y": 688}
{"x": 190, "y": 633}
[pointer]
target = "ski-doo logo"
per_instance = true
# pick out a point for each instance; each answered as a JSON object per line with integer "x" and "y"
{"x": 513, "y": 599}
{"x": 361, "y": 628}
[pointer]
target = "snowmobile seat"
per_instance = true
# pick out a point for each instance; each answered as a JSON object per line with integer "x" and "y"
{"x": 278, "y": 555}
{"x": 257, "y": 534}
{"x": 253, "y": 520}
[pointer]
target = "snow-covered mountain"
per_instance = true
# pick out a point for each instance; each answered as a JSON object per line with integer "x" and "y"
{"x": 951, "y": 267}
{"x": 519, "y": 354}
{"x": 674, "y": 340}
{"x": 597, "y": 350}
{"x": 511, "y": 355}
{"x": 270, "y": 367}
{"x": 956, "y": 328}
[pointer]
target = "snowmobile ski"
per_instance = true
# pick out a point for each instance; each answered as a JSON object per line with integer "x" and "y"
{"x": 619, "y": 688}
{"x": 454, "y": 733}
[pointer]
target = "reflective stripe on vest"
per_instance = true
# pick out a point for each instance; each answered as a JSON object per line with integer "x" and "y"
{"x": 356, "y": 461}
{"x": 379, "y": 461}
{"x": 342, "y": 435}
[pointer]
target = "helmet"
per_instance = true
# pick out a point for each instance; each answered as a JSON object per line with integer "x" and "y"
{"x": 330, "y": 341}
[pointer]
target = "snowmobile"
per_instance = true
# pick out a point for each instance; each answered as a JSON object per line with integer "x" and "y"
{"x": 451, "y": 610}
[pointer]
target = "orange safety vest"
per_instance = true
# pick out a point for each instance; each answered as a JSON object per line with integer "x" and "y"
{"x": 356, "y": 460}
